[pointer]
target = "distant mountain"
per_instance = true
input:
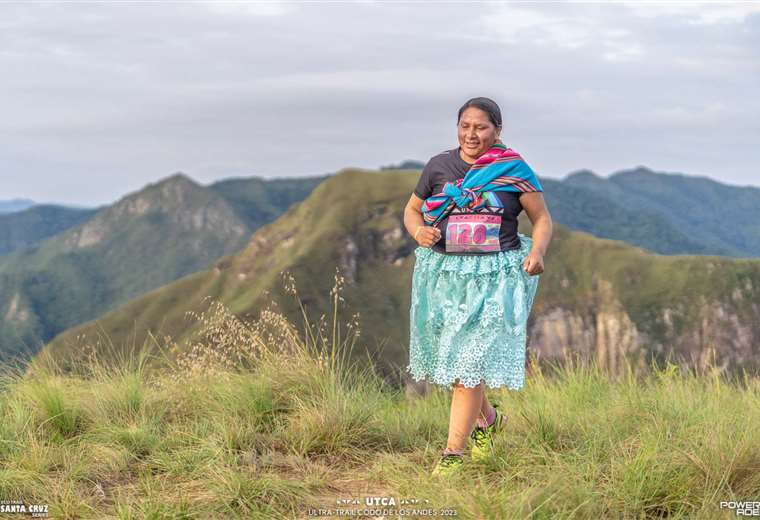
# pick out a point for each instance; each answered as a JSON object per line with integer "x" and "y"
{"x": 146, "y": 239}
{"x": 259, "y": 201}
{"x": 708, "y": 216}
{"x": 598, "y": 298}
{"x": 26, "y": 227}
{"x": 9, "y": 206}
{"x": 405, "y": 165}
{"x": 609, "y": 216}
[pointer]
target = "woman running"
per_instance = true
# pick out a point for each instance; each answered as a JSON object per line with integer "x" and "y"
{"x": 475, "y": 276}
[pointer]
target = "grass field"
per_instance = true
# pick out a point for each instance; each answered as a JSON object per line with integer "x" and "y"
{"x": 267, "y": 419}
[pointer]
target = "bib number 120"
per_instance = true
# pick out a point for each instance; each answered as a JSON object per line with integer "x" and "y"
{"x": 473, "y": 233}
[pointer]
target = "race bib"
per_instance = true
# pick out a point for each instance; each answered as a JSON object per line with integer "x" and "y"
{"x": 473, "y": 233}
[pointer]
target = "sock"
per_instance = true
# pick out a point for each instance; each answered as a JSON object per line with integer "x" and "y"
{"x": 489, "y": 420}
{"x": 447, "y": 451}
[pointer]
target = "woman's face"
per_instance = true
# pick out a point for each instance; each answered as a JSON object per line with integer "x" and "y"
{"x": 476, "y": 132}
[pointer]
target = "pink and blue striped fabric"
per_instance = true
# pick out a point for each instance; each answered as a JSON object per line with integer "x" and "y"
{"x": 499, "y": 169}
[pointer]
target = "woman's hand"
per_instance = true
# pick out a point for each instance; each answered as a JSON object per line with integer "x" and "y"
{"x": 426, "y": 236}
{"x": 534, "y": 263}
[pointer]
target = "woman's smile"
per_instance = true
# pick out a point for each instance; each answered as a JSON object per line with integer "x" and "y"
{"x": 476, "y": 133}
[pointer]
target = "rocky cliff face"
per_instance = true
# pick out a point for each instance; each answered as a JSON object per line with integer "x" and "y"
{"x": 605, "y": 331}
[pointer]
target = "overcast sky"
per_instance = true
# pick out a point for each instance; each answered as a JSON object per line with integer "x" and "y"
{"x": 99, "y": 99}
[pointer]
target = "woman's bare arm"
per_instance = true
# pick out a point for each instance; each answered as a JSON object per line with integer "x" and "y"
{"x": 413, "y": 214}
{"x": 535, "y": 207}
{"x": 426, "y": 236}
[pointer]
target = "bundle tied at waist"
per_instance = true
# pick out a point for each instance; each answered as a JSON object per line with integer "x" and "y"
{"x": 499, "y": 169}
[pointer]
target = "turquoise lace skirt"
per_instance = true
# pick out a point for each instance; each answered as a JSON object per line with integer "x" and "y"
{"x": 468, "y": 317}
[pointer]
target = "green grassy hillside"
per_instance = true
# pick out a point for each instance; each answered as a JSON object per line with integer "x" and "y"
{"x": 602, "y": 298}
{"x": 258, "y": 422}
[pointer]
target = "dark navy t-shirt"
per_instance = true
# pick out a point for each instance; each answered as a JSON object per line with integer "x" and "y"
{"x": 473, "y": 232}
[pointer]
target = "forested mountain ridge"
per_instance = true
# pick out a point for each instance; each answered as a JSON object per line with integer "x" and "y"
{"x": 601, "y": 298}
{"x": 146, "y": 239}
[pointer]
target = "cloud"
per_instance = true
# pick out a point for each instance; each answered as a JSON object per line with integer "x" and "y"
{"x": 110, "y": 96}
{"x": 696, "y": 13}
{"x": 237, "y": 8}
{"x": 570, "y": 28}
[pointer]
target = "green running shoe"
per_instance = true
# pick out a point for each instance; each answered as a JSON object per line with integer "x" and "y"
{"x": 448, "y": 464}
{"x": 482, "y": 438}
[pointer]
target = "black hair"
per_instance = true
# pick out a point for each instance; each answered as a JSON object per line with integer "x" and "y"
{"x": 487, "y": 105}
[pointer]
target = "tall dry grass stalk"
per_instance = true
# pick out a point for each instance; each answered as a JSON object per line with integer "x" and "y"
{"x": 226, "y": 343}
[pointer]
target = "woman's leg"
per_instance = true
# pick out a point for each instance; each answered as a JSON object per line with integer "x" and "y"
{"x": 485, "y": 408}
{"x": 466, "y": 404}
